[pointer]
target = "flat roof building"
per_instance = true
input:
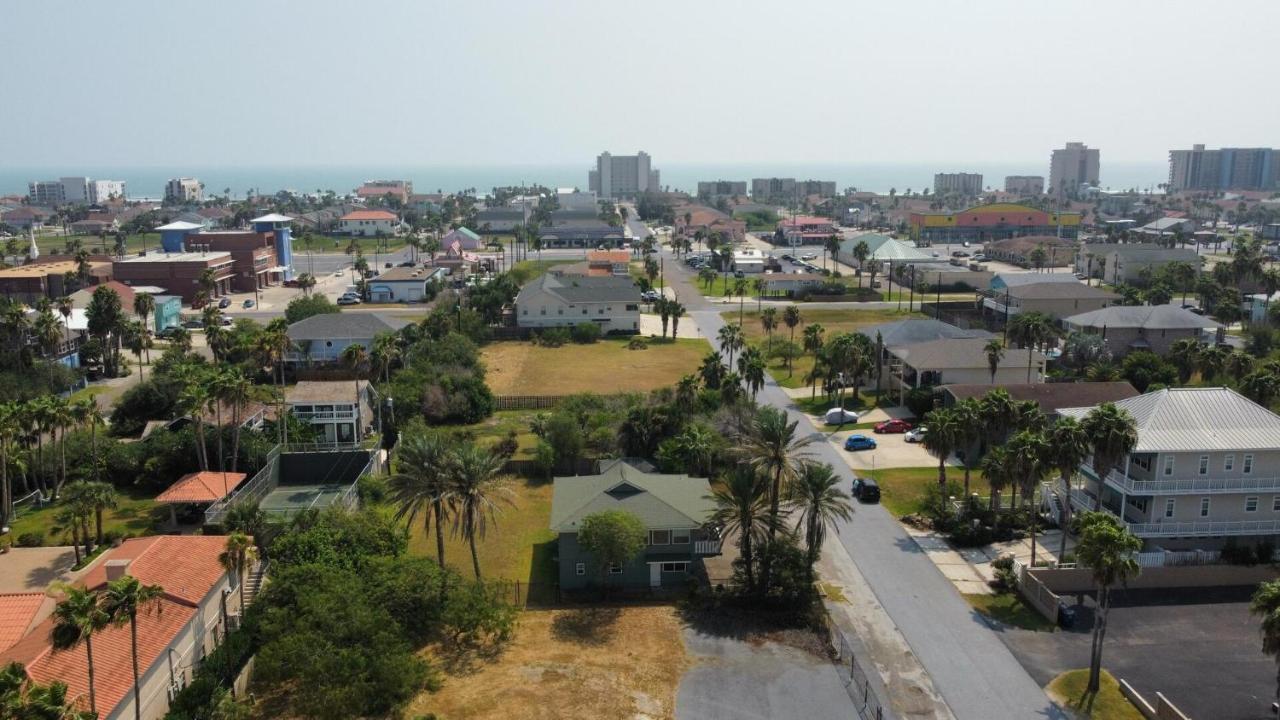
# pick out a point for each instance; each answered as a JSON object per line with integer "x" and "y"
{"x": 179, "y": 272}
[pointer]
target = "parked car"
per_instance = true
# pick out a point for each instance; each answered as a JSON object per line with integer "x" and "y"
{"x": 224, "y": 302}
{"x": 406, "y": 263}
{"x": 388, "y": 266}
{"x": 915, "y": 435}
{"x": 978, "y": 257}
{"x": 893, "y": 426}
{"x": 168, "y": 332}
{"x": 291, "y": 283}
{"x": 348, "y": 300}
{"x": 859, "y": 442}
{"x": 192, "y": 324}
{"x": 246, "y": 304}
{"x": 650, "y": 295}
{"x": 840, "y": 416}
{"x": 225, "y": 321}
{"x": 866, "y": 490}
{"x": 809, "y": 256}
{"x": 337, "y": 273}
{"x": 959, "y": 254}
{"x": 739, "y": 274}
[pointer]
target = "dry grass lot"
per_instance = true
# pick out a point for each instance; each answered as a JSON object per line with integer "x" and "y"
{"x": 605, "y": 367}
{"x": 602, "y": 663}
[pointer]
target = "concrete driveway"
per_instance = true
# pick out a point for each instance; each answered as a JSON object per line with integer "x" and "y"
{"x": 1200, "y": 647}
{"x": 34, "y": 569}
{"x": 737, "y": 679}
{"x": 892, "y": 451}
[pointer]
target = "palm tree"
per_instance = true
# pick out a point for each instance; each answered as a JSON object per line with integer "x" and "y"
{"x": 1028, "y": 455}
{"x": 1184, "y": 353}
{"x": 946, "y": 431}
{"x": 85, "y": 413}
{"x": 1113, "y": 434}
{"x": 144, "y": 306}
{"x": 712, "y": 370}
{"x": 100, "y": 497}
{"x": 861, "y": 252}
{"x": 742, "y": 509}
{"x": 421, "y": 485}
{"x": 676, "y": 311}
{"x": 1068, "y": 447}
{"x": 791, "y": 318}
{"x": 1107, "y": 548}
{"x": 995, "y": 354}
{"x": 1031, "y": 330}
{"x": 772, "y": 447}
{"x": 751, "y": 367}
{"x": 122, "y": 600}
{"x": 731, "y": 340}
{"x": 60, "y": 419}
{"x": 997, "y": 470}
{"x": 474, "y": 474}
{"x": 386, "y": 350}
{"x": 769, "y": 321}
{"x": 817, "y": 497}
{"x": 354, "y": 356}
{"x": 75, "y": 620}
{"x": 236, "y": 557}
{"x": 192, "y": 400}
{"x": 968, "y": 413}
{"x": 1266, "y": 604}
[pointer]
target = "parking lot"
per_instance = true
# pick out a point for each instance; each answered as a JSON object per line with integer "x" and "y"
{"x": 1200, "y": 647}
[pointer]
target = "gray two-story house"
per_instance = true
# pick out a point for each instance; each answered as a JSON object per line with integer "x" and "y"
{"x": 1126, "y": 328}
{"x": 1206, "y": 468}
{"x": 673, "y": 508}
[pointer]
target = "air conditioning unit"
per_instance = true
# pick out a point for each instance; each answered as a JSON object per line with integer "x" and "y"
{"x": 233, "y": 622}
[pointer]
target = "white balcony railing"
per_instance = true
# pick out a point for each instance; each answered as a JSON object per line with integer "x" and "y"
{"x": 1189, "y": 486}
{"x": 706, "y": 547}
{"x": 1190, "y": 529}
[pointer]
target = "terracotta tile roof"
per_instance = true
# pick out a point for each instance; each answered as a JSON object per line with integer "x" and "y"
{"x": 201, "y": 487}
{"x": 17, "y": 613}
{"x": 112, "y": 655}
{"x": 186, "y": 566}
{"x": 609, "y": 256}
{"x": 369, "y": 215}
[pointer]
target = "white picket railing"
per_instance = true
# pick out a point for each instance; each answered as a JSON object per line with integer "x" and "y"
{"x": 706, "y": 547}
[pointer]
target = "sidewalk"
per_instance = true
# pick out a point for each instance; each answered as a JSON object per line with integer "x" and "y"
{"x": 969, "y": 569}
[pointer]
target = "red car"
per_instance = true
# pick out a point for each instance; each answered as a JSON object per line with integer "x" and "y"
{"x": 893, "y": 426}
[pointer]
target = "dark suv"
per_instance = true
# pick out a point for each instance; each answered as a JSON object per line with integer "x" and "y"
{"x": 866, "y": 490}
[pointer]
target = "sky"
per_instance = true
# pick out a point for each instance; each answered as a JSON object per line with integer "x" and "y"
{"x": 132, "y": 83}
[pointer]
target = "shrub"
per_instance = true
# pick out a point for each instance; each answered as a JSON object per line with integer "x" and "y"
{"x": 968, "y": 534}
{"x": 31, "y": 539}
{"x": 507, "y": 446}
{"x": 585, "y": 333}
{"x": 111, "y": 537}
{"x": 638, "y": 344}
{"x": 372, "y": 488}
{"x": 1005, "y": 579}
{"x": 552, "y": 337}
{"x": 303, "y": 307}
{"x": 920, "y": 401}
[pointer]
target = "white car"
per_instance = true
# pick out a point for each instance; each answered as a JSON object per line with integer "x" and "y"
{"x": 337, "y": 273}
{"x": 809, "y": 256}
{"x": 916, "y": 435}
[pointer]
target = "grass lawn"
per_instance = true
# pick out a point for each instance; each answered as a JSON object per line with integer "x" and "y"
{"x": 137, "y": 515}
{"x": 820, "y": 405}
{"x": 902, "y": 490}
{"x": 1108, "y": 704}
{"x": 87, "y": 392}
{"x": 1010, "y": 609}
{"x": 602, "y": 662}
{"x": 496, "y": 427}
{"x": 527, "y": 270}
{"x": 518, "y": 546}
{"x": 833, "y": 320}
{"x": 606, "y": 367}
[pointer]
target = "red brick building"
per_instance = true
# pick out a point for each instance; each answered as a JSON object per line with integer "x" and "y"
{"x": 178, "y": 273}
{"x": 253, "y": 255}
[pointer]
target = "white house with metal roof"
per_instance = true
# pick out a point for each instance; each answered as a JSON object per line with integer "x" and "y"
{"x": 1206, "y": 468}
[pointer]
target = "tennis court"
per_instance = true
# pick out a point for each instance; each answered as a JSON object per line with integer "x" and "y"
{"x": 289, "y": 499}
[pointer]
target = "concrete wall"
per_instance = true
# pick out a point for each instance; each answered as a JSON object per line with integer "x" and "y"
{"x": 1081, "y": 579}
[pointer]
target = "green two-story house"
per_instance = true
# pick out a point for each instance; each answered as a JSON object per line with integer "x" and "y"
{"x": 673, "y": 508}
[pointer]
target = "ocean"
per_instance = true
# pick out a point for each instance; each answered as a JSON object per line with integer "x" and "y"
{"x": 880, "y": 177}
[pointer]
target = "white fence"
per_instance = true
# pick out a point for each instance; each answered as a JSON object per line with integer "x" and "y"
{"x": 1167, "y": 558}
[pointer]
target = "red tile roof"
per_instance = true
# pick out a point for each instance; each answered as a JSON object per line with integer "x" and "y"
{"x": 201, "y": 487}
{"x": 186, "y": 566}
{"x": 369, "y": 215}
{"x": 17, "y": 613}
{"x": 609, "y": 256}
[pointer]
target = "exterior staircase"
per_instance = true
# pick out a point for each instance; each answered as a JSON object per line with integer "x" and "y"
{"x": 254, "y": 580}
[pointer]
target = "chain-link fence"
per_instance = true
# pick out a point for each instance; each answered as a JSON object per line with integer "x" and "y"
{"x": 866, "y": 702}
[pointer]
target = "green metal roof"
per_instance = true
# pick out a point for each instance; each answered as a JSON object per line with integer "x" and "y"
{"x": 660, "y": 501}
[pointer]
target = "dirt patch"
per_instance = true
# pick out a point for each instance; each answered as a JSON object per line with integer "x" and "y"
{"x": 619, "y": 663}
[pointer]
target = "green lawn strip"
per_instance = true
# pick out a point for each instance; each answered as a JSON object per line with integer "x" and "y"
{"x": 87, "y": 392}
{"x": 820, "y": 405}
{"x": 137, "y": 514}
{"x": 527, "y": 270}
{"x": 1109, "y": 704}
{"x": 833, "y": 320}
{"x": 1010, "y": 609}
{"x": 902, "y": 490}
{"x": 497, "y": 426}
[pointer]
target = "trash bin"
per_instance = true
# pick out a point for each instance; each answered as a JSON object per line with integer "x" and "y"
{"x": 1066, "y": 616}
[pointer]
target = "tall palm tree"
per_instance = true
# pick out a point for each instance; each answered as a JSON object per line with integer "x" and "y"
{"x": 772, "y": 447}
{"x": 1068, "y": 447}
{"x": 75, "y": 620}
{"x": 100, "y": 497}
{"x": 9, "y": 429}
{"x": 995, "y": 353}
{"x": 791, "y": 318}
{"x": 421, "y": 484}
{"x": 997, "y": 470}
{"x": 731, "y": 340}
{"x": 1184, "y": 353}
{"x": 355, "y": 357}
{"x": 122, "y": 600}
{"x": 192, "y": 401}
{"x": 676, "y": 310}
{"x": 817, "y": 497}
{"x": 946, "y": 431}
{"x": 85, "y": 414}
{"x": 475, "y": 478}
{"x": 769, "y": 322}
{"x": 237, "y": 556}
{"x": 861, "y": 252}
{"x": 144, "y": 306}
{"x": 999, "y": 413}
{"x": 1029, "y": 454}
{"x": 969, "y": 415}
{"x": 742, "y": 509}
{"x": 1107, "y": 548}
{"x": 61, "y": 418}
{"x": 1031, "y": 330}
{"x": 1113, "y": 434}
{"x": 1266, "y": 604}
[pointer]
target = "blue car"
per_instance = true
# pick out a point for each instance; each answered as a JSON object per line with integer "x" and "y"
{"x": 859, "y": 442}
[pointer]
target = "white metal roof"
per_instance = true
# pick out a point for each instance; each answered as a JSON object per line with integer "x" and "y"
{"x": 1197, "y": 419}
{"x": 273, "y": 217}
{"x": 181, "y": 225}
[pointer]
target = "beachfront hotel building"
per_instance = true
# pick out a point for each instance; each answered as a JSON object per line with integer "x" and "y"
{"x": 623, "y": 176}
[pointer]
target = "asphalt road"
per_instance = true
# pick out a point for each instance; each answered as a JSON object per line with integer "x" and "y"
{"x": 977, "y": 675}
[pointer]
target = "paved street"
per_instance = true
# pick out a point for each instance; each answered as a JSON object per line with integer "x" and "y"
{"x": 977, "y": 676}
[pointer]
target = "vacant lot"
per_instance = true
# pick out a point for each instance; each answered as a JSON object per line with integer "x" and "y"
{"x": 903, "y": 490}
{"x": 605, "y": 367}
{"x": 603, "y": 662}
{"x": 833, "y": 322}
{"x": 518, "y": 545}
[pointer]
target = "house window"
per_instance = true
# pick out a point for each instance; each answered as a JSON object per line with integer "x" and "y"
{"x": 674, "y": 567}
{"x": 633, "y": 307}
{"x": 679, "y": 537}
{"x": 584, "y": 311}
{"x": 1248, "y": 465}
{"x": 1251, "y": 504}
{"x": 1275, "y": 503}
{"x": 1204, "y": 464}
{"x": 1228, "y": 463}
{"x": 1204, "y": 507}
{"x": 659, "y": 537}
{"x": 615, "y": 569}
{"x": 580, "y": 569}
{"x": 1170, "y": 504}
{"x": 1168, "y": 465}
{"x": 1143, "y": 461}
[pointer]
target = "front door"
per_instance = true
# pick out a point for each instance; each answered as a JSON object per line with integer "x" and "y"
{"x": 655, "y": 574}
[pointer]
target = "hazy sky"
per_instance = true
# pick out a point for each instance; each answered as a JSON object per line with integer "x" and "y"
{"x": 417, "y": 83}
